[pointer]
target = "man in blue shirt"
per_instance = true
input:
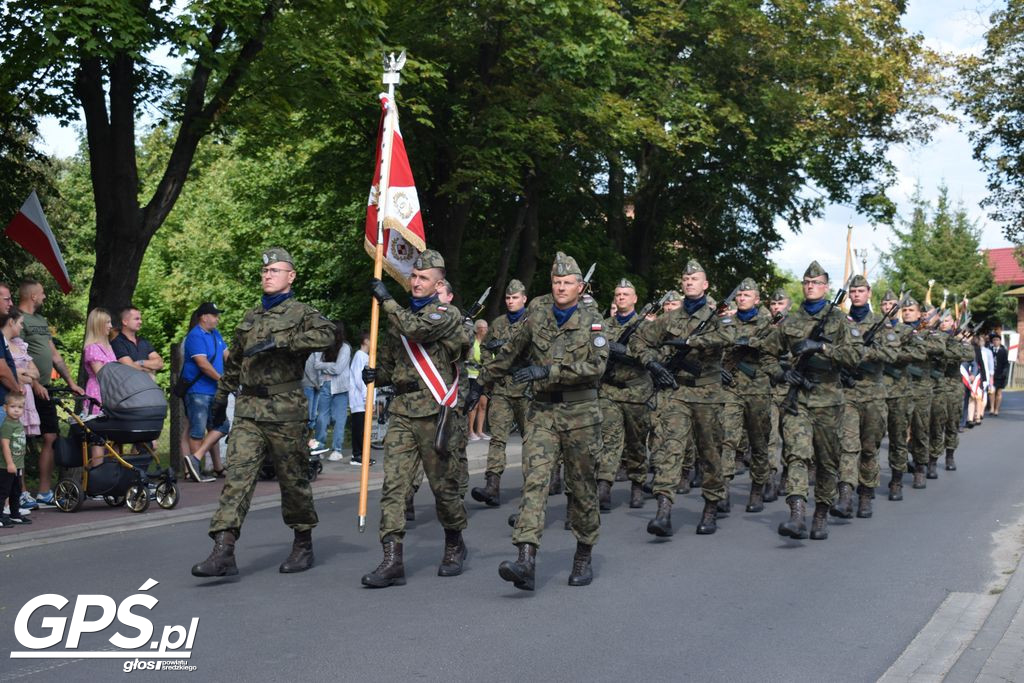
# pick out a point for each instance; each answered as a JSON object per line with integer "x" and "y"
{"x": 205, "y": 352}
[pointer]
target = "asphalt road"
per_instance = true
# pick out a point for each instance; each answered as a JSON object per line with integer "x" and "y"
{"x": 743, "y": 604}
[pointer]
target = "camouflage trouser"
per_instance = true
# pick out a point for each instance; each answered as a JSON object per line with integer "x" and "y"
{"x": 545, "y": 446}
{"x": 624, "y": 428}
{"x": 458, "y": 441}
{"x": 775, "y": 434}
{"x": 863, "y": 428}
{"x": 408, "y": 443}
{"x": 939, "y": 420}
{"x": 749, "y": 419}
{"x": 812, "y": 436}
{"x": 954, "y": 407}
{"x": 502, "y": 413}
{"x": 250, "y": 443}
{"x": 898, "y": 423}
{"x": 920, "y": 428}
{"x": 675, "y": 423}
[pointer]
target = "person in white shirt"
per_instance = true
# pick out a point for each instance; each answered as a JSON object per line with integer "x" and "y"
{"x": 357, "y": 397}
{"x": 332, "y": 402}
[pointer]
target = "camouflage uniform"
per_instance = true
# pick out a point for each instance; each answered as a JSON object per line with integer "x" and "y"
{"x": 507, "y": 405}
{"x": 927, "y": 349}
{"x": 270, "y": 410}
{"x": 958, "y": 351}
{"x": 899, "y": 403}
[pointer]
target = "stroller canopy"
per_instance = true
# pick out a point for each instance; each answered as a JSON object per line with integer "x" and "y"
{"x": 127, "y": 391}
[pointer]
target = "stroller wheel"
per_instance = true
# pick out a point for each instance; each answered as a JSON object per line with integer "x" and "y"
{"x": 137, "y": 498}
{"x": 114, "y": 501}
{"x": 166, "y": 495}
{"x": 68, "y": 495}
{"x": 315, "y": 468}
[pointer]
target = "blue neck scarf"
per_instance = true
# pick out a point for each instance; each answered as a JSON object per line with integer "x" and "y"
{"x": 813, "y": 307}
{"x": 858, "y": 313}
{"x": 271, "y": 300}
{"x": 914, "y": 325}
{"x": 694, "y": 305}
{"x": 747, "y": 316}
{"x": 514, "y": 317}
{"x": 417, "y": 303}
{"x": 561, "y": 317}
{"x": 623, "y": 319}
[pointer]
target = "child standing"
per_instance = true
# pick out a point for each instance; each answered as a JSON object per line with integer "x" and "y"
{"x": 12, "y": 442}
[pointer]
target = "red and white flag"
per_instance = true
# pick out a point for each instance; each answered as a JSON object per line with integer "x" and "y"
{"x": 398, "y": 207}
{"x": 30, "y": 229}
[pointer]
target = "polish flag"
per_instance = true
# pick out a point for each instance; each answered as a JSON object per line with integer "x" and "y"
{"x": 30, "y": 229}
{"x": 399, "y": 208}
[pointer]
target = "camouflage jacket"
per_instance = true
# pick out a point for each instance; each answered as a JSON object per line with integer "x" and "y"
{"x": 575, "y": 354}
{"x": 439, "y": 328}
{"x": 704, "y": 385}
{"x": 750, "y": 369}
{"x": 926, "y": 348}
{"x": 501, "y": 328}
{"x": 624, "y": 382}
{"x": 298, "y": 330}
{"x": 895, "y": 374}
{"x": 870, "y": 372}
{"x": 844, "y": 350}
{"x": 957, "y": 351}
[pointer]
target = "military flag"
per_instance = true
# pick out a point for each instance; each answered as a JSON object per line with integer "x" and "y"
{"x": 30, "y": 229}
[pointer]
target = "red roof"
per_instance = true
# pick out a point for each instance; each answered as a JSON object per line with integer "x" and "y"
{"x": 1006, "y": 269}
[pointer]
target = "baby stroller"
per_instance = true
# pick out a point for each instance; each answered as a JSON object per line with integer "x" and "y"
{"x": 133, "y": 412}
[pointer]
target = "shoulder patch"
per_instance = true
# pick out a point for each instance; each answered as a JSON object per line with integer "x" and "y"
{"x": 600, "y": 341}
{"x": 891, "y": 336}
{"x": 434, "y": 316}
{"x": 727, "y": 320}
{"x": 596, "y": 327}
{"x": 854, "y": 331}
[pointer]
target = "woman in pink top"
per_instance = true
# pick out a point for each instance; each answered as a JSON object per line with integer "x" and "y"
{"x": 97, "y": 354}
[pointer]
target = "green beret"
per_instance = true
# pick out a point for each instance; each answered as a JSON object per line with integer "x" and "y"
{"x": 275, "y": 255}
{"x": 859, "y": 281}
{"x": 428, "y": 259}
{"x": 692, "y": 266}
{"x": 780, "y": 295}
{"x": 515, "y": 287}
{"x": 625, "y": 284}
{"x": 673, "y": 295}
{"x": 889, "y": 296}
{"x": 565, "y": 265}
{"x": 748, "y": 285}
{"x": 815, "y": 270}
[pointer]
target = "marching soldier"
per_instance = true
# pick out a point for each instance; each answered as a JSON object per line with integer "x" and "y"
{"x": 925, "y": 349}
{"x": 694, "y": 402}
{"x": 563, "y": 344}
{"x": 958, "y": 350}
{"x": 625, "y": 390}
{"x": 864, "y": 412}
{"x": 265, "y": 365}
{"x": 779, "y": 308}
{"x": 748, "y": 394}
{"x": 508, "y": 401}
{"x": 810, "y": 425}
{"x": 419, "y": 358}
{"x": 899, "y": 407}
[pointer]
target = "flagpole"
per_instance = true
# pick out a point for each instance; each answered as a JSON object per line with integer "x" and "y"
{"x": 848, "y": 267}
{"x": 392, "y": 67}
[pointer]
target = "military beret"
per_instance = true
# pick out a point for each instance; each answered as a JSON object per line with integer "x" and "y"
{"x": 624, "y": 284}
{"x": 692, "y": 266}
{"x": 515, "y": 287}
{"x": 815, "y": 270}
{"x": 673, "y": 295}
{"x": 428, "y": 259}
{"x": 859, "y": 281}
{"x": 748, "y": 285}
{"x": 565, "y": 265}
{"x": 275, "y": 255}
{"x": 889, "y": 296}
{"x": 780, "y": 295}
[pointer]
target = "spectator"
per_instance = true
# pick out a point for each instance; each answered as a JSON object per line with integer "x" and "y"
{"x": 989, "y": 360}
{"x": 310, "y": 388}
{"x": 977, "y": 375}
{"x": 12, "y": 443}
{"x": 357, "y": 397}
{"x": 205, "y": 352}
{"x": 36, "y": 333}
{"x": 130, "y": 348}
{"x": 1000, "y": 373}
{"x": 8, "y": 370}
{"x": 332, "y": 367}
{"x": 97, "y": 353}
{"x": 27, "y": 372}
{"x": 478, "y": 415}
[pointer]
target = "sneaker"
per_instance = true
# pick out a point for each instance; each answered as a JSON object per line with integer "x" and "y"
{"x": 358, "y": 462}
{"x": 27, "y": 501}
{"x": 192, "y": 467}
{"x": 6, "y": 522}
{"x": 45, "y": 498}
{"x": 318, "y": 449}
{"x": 474, "y": 437}
{"x": 20, "y": 520}
{"x": 335, "y": 456}
{"x": 23, "y": 512}
{"x": 485, "y": 437}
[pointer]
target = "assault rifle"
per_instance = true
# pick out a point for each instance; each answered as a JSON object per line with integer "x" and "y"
{"x": 800, "y": 363}
{"x": 679, "y": 361}
{"x": 478, "y": 307}
{"x": 741, "y": 356}
{"x": 628, "y": 332}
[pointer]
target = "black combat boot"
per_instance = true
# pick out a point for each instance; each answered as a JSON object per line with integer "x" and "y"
{"x": 410, "y": 510}
{"x": 771, "y": 493}
{"x": 512, "y": 519}
{"x": 620, "y": 474}
{"x": 521, "y": 572}
{"x": 301, "y": 557}
{"x": 756, "y": 501}
{"x": 555, "y": 487}
{"x": 796, "y": 525}
{"x": 708, "y": 523}
{"x": 819, "y": 524}
{"x": 391, "y": 570}
{"x": 896, "y": 486}
{"x": 919, "y": 482}
{"x": 724, "y": 506}
{"x": 933, "y": 468}
{"x": 636, "y": 495}
{"x": 843, "y": 507}
{"x": 490, "y": 494}
{"x": 950, "y": 462}
{"x": 683, "y": 487}
{"x": 582, "y": 573}
{"x": 661, "y": 525}
{"x": 740, "y": 464}
{"x": 697, "y": 480}
{"x": 604, "y": 495}
{"x": 864, "y": 496}
{"x": 454, "y": 554}
{"x": 221, "y": 561}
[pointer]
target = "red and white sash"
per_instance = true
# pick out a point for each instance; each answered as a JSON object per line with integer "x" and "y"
{"x": 973, "y": 384}
{"x": 444, "y": 395}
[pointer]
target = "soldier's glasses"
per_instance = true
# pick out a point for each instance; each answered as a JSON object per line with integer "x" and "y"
{"x": 274, "y": 271}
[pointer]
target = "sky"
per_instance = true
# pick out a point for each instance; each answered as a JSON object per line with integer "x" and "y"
{"x": 947, "y": 25}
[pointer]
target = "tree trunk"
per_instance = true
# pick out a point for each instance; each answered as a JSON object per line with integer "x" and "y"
{"x": 616, "y": 205}
{"x": 647, "y": 212}
{"x": 505, "y": 262}
{"x": 529, "y": 247}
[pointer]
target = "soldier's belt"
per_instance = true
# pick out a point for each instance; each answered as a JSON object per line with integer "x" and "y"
{"x": 818, "y": 377}
{"x": 893, "y": 372}
{"x": 265, "y": 390}
{"x": 634, "y": 382}
{"x": 565, "y": 396}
